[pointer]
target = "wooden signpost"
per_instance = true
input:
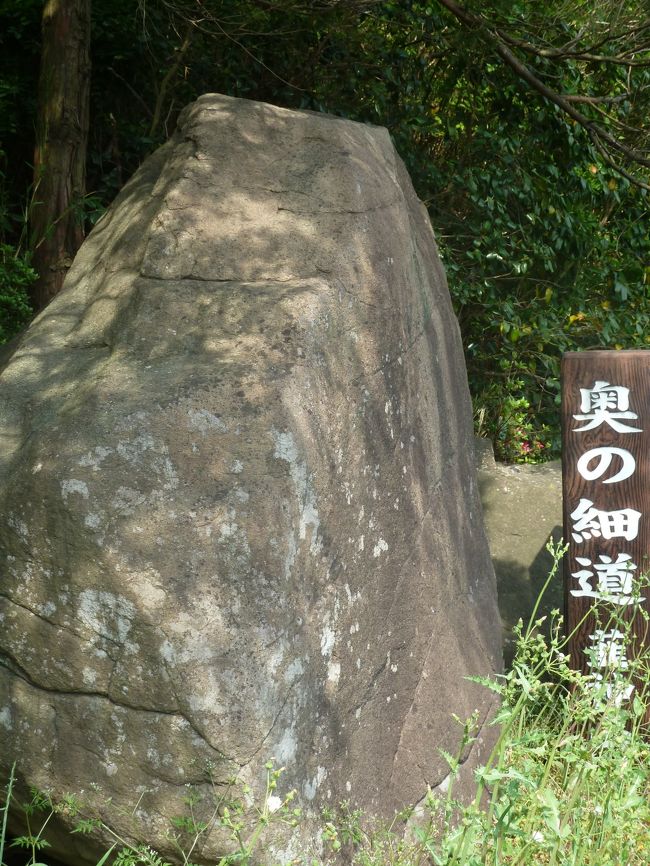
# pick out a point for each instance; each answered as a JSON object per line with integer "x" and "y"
{"x": 606, "y": 491}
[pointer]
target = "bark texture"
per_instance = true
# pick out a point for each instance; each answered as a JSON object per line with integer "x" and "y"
{"x": 56, "y": 213}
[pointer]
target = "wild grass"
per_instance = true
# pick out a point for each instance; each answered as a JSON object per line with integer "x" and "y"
{"x": 567, "y": 784}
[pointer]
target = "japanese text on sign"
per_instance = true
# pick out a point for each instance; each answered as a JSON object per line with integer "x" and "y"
{"x": 606, "y": 575}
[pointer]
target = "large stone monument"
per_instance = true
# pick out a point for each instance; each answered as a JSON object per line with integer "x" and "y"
{"x": 239, "y": 510}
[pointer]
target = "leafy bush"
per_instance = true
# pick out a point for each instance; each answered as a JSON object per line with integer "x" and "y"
{"x": 16, "y": 276}
{"x": 545, "y": 246}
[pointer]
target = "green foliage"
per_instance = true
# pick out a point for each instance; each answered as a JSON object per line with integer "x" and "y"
{"x": 5, "y": 811}
{"x": 230, "y": 810}
{"x": 140, "y": 855}
{"x": 545, "y": 245}
{"x": 553, "y": 261}
{"x": 38, "y": 811}
{"x": 16, "y": 276}
{"x": 510, "y": 426}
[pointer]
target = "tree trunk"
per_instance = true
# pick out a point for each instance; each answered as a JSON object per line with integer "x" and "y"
{"x": 56, "y": 213}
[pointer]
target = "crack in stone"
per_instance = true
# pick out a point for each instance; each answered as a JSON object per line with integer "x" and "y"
{"x": 40, "y": 616}
{"x": 182, "y": 711}
{"x": 463, "y": 760}
{"x": 277, "y": 191}
{"x": 15, "y": 668}
{"x": 352, "y": 211}
{"x": 273, "y": 724}
{"x": 347, "y": 291}
{"x": 371, "y": 685}
{"x": 66, "y": 541}
{"x": 388, "y": 364}
{"x": 102, "y": 346}
{"x": 11, "y": 663}
{"x": 239, "y": 281}
{"x": 469, "y": 749}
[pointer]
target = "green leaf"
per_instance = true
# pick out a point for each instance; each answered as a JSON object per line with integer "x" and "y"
{"x": 105, "y": 857}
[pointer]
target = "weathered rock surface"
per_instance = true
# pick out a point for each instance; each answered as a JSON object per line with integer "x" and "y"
{"x": 240, "y": 516}
{"x": 522, "y": 506}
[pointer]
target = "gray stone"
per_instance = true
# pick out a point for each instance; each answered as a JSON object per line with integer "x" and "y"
{"x": 484, "y": 453}
{"x": 240, "y": 516}
{"x": 523, "y": 511}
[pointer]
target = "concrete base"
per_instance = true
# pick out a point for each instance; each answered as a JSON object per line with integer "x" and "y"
{"x": 522, "y": 506}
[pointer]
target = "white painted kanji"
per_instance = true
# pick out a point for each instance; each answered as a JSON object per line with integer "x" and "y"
{"x": 590, "y": 522}
{"x": 617, "y": 691}
{"x": 606, "y": 404}
{"x": 608, "y": 654}
{"x": 608, "y": 650}
{"x": 608, "y": 576}
{"x": 604, "y": 456}
{"x": 614, "y": 579}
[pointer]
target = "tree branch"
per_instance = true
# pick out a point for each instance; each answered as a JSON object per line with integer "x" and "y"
{"x": 131, "y": 89}
{"x": 567, "y": 50}
{"x": 602, "y": 150}
{"x": 167, "y": 80}
{"x": 600, "y": 137}
{"x": 596, "y": 100}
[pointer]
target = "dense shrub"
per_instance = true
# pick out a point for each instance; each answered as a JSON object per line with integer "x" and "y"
{"x": 16, "y": 276}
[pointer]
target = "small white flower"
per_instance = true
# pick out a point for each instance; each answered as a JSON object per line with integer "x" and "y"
{"x": 274, "y": 803}
{"x": 537, "y": 836}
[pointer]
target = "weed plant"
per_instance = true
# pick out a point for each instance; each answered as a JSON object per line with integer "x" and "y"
{"x": 568, "y": 780}
{"x": 232, "y": 810}
{"x": 567, "y": 783}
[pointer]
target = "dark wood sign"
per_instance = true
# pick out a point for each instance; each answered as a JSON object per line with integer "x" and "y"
{"x": 606, "y": 487}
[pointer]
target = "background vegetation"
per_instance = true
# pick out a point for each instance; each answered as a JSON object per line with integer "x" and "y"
{"x": 523, "y": 124}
